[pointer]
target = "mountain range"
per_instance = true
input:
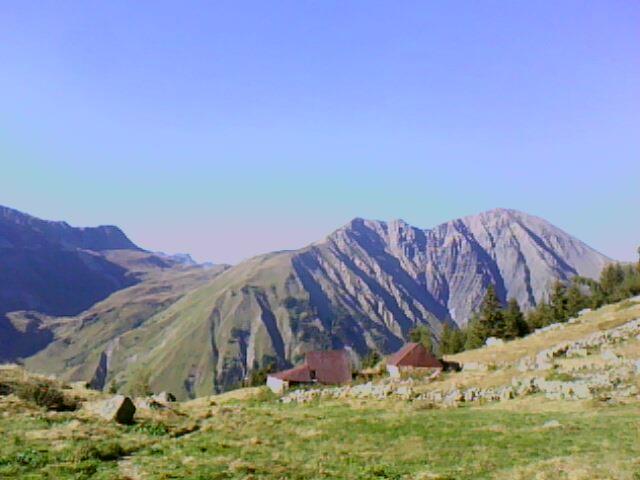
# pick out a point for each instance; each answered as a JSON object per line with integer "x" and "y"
{"x": 195, "y": 330}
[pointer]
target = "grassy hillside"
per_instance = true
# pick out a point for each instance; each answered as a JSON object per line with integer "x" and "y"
{"x": 80, "y": 341}
{"x": 249, "y": 433}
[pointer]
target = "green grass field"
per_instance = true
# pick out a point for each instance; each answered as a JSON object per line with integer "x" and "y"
{"x": 264, "y": 439}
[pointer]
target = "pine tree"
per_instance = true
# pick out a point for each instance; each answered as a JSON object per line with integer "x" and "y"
{"x": 446, "y": 340}
{"x": 491, "y": 319}
{"x": 476, "y": 334}
{"x": 558, "y": 302}
{"x": 452, "y": 340}
{"x": 576, "y": 300}
{"x": 611, "y": 278}
{"x": 421, "y": 334}
{"x": 458, "y": 340}
{"x": 540, "y": 317}
{"x": 514, "y": 324}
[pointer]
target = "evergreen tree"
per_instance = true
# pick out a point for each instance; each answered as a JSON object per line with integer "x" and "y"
{"x": 491, "y": 319}
{"x": 421, "y": 334}
{"x": 452, "y": 340}
{"x": 558, "y": 302}
{"x": 576, "y": 300}
{"x": 514, "y": 324}
{"x": 611, "y": 278}
{"x": 459, "y": 339}
{"x": 446, "y": 340}
{"x": 476, "y": 334}
{"x": 540, "y": 317}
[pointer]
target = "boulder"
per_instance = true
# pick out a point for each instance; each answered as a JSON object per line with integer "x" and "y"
{"x": 118, "y": 409}
{"x": 147, "y": 403}
{"x": 609, "y": 356}
{"x": 474, "y": 367}
{"x": 164, "y": 397}
{"x": 494, "y": 341}
{"x": 552, "y": 424}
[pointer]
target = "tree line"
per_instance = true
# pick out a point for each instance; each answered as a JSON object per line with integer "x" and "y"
{"x": 493, "y": 319}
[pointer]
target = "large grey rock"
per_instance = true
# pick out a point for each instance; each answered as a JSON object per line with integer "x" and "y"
{"x": 118, "y": 409}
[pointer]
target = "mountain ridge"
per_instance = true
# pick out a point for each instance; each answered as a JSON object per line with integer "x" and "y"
{"x": 364, "y": 287}
{"x": 54, "y": 269}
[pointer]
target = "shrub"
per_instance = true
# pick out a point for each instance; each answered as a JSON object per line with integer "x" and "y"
{"x": 31, "y": 458}
{"x": 45, "y": 395}
{"x": 154, "y": 429}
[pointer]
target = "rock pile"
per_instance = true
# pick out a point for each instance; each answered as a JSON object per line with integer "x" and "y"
{"x": 580, "y": 348}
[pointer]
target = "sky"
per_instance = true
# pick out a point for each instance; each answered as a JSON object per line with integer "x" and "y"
{"x": 229, "y": 129}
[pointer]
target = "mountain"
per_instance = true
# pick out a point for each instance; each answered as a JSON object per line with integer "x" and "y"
{"x": 57, "y": 270}
{"x": 365, "y": 287}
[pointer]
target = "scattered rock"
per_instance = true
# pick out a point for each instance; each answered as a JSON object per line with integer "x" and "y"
{"x": 474, "y": 367}
{"x": 164, "y": 397}
{"x": 147, "y": 403}
{"x": 552, "y": 424}
{"x": 118, "y": 409}
{"x": 494, "y": 341}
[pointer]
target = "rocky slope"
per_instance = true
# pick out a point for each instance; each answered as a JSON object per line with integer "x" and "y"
{"x": 55, "y": 269}
{"x": 365, "y": 287}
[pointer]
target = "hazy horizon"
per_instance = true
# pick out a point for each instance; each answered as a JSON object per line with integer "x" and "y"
{"x": 228, "y": 130}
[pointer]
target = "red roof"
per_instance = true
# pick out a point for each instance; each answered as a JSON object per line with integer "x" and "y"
{"x": 414, "y": 355}
{"x": 296, "y": 374}
{"x": 331, "y": 367}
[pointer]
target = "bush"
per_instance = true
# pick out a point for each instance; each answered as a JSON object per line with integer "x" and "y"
{"x": 45, "y": 395}
{"x": 154, "y": 429}
{"x": 31, "y": 458}
{"x": 103, "y": 451}
{"x": 371, "y": 360}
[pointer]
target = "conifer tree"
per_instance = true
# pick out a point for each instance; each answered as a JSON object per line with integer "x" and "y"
{"x": 491, "y": 319}
{"x": 576, "y": 300}
{"x": 458, "y": 340}
{"x": 559, "y": 302}
{"x": 452, "y": 340}
{"x": 540, "y": 317}
{"x": 476, "y": 334}
{"x": 421, "y": 334}
{"x": 446, "y": 346}
{"x": 514, "y": 324}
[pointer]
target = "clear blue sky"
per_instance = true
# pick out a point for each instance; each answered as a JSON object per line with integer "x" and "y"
{"x": 227, "y": 129}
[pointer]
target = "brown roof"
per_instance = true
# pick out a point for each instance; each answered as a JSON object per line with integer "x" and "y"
{"x": 414, "y": 355}
{"x": 328, "y": 367}
{"x": 296, "y": 374}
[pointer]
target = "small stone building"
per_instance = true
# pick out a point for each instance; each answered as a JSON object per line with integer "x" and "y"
{"x": 332, "y": 367}
{"x": 412, "y": 357}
